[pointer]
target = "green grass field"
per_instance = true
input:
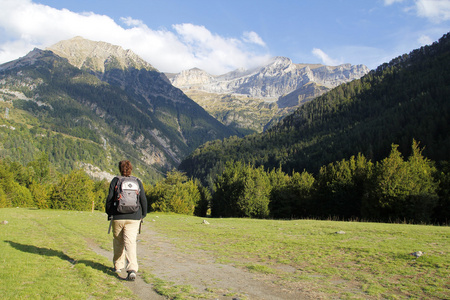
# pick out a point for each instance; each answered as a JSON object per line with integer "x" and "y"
{"x": 45, "y": 254}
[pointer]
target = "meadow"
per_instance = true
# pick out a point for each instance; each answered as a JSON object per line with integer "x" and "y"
{"x": 46, "y": 254}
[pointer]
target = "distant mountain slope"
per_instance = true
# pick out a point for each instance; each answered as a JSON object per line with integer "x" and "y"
{"x": 243, "y": 114}
{"x": 406, "y": 99}
{"x": 279, "y": 77}
{"x": 280, "y": 82}
{"x": 116, "y": 103}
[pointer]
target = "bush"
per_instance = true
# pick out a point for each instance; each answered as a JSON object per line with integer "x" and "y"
{"x": 241, "y": 191}
{"x": 73, "y": 192}
{"x": 3, "y": 202}
{"x": 100, "y": 190}
{"x": 20, "y": 196}
{"x": 41, "y": 194}
{"x": 176, "y": 193}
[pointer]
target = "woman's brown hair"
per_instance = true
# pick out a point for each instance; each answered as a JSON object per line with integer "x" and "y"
{"x": 125, "y": 167}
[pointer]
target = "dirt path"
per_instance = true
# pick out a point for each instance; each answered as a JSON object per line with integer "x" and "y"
{"x": 199, "y": 269}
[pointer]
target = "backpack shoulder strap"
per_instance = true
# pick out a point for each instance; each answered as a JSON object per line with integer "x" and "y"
{"x": 119, "y": 178}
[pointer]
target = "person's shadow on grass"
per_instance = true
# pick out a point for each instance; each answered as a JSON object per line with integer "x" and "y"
{"x": 50, "y": 252}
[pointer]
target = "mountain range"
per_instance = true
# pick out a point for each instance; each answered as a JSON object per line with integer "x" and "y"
{"x": 279, "y": 77}
{"x": 90, "y": 104}
{"x": 266, "y": 93}
{"x": 404, "y": 100}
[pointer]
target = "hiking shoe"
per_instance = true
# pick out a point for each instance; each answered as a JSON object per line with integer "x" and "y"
{"x": 118, "y": 271}
{"x": 131, "y": 275}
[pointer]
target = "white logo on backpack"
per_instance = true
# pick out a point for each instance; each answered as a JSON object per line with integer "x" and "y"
{"x": 127, "y": 194}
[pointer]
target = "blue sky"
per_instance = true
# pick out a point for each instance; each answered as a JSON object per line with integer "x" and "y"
{"x": 220, "y": 36}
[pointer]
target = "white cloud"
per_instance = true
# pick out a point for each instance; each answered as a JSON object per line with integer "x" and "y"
{"x": 25, "y": 25}
{"x": 435, "y": 10}
{"x": 253, "y": 37}
{"x": 326, "y": 60}
{"x": 132, "y": 22}
{"x": 390, "y": 2}
{"x": 425, "y": 40}
{"x": 214, "y": 53}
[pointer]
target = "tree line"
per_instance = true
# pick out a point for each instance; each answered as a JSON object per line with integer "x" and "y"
{"x": 37, "y": 184}
{"x": 393, "y": 189}
{"x": 404, "y": 100}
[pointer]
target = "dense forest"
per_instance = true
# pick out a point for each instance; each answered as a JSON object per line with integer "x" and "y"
{"x": 351, "y": 189}
{"x": 39, "y": 185}
{"x": 403, "y": 100}
{"x": 394, "y": 189}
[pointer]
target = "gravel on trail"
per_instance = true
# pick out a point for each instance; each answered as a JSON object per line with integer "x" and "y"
{"x": 158, "y": 256}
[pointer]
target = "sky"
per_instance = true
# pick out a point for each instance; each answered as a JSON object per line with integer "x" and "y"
{"x": 220, "y": 36}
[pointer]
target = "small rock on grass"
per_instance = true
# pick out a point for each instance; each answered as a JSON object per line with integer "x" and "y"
{"x": 417, "y": 253}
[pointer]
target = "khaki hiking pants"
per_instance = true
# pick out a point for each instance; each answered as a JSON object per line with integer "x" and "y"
{"x": 125, "y": 234}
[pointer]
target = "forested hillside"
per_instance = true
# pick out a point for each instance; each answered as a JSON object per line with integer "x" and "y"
{"x": 405, "y": 99}
{"x": 92, "y": 120}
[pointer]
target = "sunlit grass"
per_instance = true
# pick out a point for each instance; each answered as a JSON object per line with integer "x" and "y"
{"x": 374, "y": 258}
{"x": 45, "y": 255}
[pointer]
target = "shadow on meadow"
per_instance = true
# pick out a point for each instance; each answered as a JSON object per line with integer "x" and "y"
{"x": 50, "y": 252}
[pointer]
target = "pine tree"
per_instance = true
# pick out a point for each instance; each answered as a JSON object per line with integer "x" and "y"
{"x": 402, "y": 190}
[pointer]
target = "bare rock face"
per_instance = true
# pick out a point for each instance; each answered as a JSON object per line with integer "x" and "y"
{"x": 98, "y": 56}
{"x": 194, "y": 78}
{"x": 279, "y": 77}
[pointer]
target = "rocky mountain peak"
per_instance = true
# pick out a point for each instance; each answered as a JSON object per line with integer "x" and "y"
{"x": 98, "y": 56}
{"x": 280, "y": 62}
{"x": 278, "y": 66}
{"x": 27, "y": 60}
{"x": 278, "y": 77}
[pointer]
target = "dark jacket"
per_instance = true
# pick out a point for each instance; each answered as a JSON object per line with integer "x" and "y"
{"x": 111, "y": 209}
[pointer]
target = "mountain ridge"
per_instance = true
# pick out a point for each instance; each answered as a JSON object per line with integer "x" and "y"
{"x": 401, "y": 101}
{"x": 280, "y": 81}
{"x": 135, "y": 112}
{"x": 277, "y": 78}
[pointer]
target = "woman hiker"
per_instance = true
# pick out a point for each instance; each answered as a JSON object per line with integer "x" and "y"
{"x": 126, "y": 206}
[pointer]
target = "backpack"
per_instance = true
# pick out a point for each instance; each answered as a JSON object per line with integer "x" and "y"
{"x": 127, "y": 194}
